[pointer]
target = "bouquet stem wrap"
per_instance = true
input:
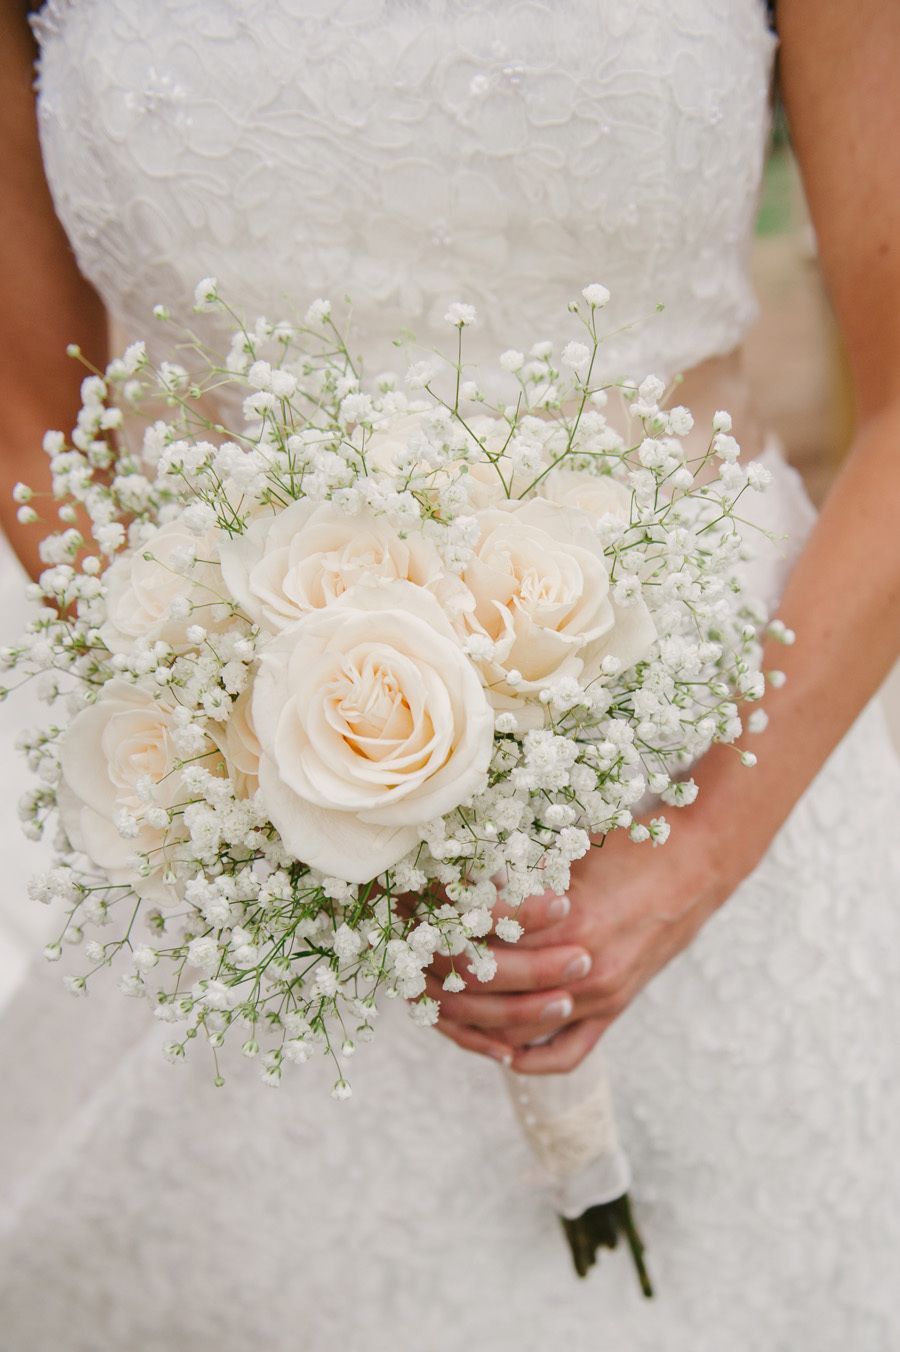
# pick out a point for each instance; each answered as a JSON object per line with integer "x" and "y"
{"x": 569, "y": 1123}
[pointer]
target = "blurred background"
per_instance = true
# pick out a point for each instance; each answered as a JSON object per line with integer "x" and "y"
{"x": 794, "y": 354}
{"x": 799, "y": 375}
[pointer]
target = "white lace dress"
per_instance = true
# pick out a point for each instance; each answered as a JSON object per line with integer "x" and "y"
{"x": 413, "y": 152}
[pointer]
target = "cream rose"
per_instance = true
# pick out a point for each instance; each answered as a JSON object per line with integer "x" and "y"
{"x": 597, "y": 494}
{"x": 239, "y": 744}
{"x": 371, "y": 721}
{"x": 391, "y": 447}
{"x": 541, "y": 590}
{"x": 488, "y": 474}
{"x": 490, "y": 482}
{"x": 400, "y": 446}
{"x": 109, "y": 748}
{"x": 141, "y": 591}
{"x": 286, "y": 566}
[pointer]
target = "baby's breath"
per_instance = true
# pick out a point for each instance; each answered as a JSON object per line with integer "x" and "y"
{"x": 144, "y": 614}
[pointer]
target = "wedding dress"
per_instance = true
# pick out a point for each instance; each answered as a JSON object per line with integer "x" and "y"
{"x": 411, "y": 152}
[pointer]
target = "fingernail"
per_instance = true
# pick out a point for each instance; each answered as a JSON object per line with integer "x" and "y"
{"x": 557, "y": 1010}
{"x": 559, "y": 907}
{"x": 505, "y": 1058}
{"x": 577, "y": 968}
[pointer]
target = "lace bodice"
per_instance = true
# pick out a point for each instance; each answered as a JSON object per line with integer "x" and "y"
{"x": 413, "y": 152}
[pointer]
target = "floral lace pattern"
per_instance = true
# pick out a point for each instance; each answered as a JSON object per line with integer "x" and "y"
{"x": 414, "y": 152}
{"x": 428, "y": 150}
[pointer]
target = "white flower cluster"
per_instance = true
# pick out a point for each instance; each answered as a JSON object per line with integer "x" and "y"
{"x": 335, "y": 674}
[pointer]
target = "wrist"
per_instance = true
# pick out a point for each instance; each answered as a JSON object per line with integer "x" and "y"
{"x": 727, "y": 834}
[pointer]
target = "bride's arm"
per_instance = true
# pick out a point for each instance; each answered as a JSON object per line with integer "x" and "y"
{"x": 46, "y": 302}
{"x": 633, "y": 910}
{"x": 839, "y": 76}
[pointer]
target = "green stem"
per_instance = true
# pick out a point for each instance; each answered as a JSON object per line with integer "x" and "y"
{"x": 600, "y": 1227}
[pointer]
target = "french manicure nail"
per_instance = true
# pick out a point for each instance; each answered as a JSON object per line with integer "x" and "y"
{"x": 557, "y": 1010}
{"x": 577, "y": 968}
{"x": 559, "y": 907}
{"x": 505, "y": 1058}
{"x": 542, "y": 1041}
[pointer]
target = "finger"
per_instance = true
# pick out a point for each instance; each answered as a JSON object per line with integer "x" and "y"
{"x": 547, "y": 1009}
{"x": 523, "y": 970}
{"x": 472, "y": 1041}
{"x": 535, "y": 913}
{"x": 407, "y": 903}
{"x": 522, "y": 1035}
{"x": 531, "y": 1034}
{"x": 567, "y": 1050}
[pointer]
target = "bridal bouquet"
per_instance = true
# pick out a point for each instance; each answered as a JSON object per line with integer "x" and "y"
{"x": 323, "y": 642}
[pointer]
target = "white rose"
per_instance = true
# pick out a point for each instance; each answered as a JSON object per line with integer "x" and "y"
{"x": 371, "y": 721}
{"x": 541, "y": 590}
{"x": 403, "y": 448}
{"x": 140, "y": 591}
{"x": 397, "y": 444}
{"x": 108, "y": 749}
{"x": 304, "y": 558}
{"x": 239, "y": 744}
{"x": 489, "y": 475}
{"x": 597, "y": 494}
{"x": 492, "y": 476}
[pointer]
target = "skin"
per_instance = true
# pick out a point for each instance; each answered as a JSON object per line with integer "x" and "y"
{"x": 46, "y": 302}
{"x": 631, "y": 909}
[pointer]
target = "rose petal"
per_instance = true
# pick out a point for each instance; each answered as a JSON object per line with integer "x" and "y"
{"x": 631, "y": 637}
{"x": 338, "y": 843}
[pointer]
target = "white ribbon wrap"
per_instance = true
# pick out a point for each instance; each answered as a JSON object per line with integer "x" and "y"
{"x": 569, "y": 1122}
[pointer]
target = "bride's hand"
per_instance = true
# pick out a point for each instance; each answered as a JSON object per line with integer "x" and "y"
{"x": 632, "y": 909}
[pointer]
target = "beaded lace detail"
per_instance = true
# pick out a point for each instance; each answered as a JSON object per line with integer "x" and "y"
{"x": 414, "y": 152}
